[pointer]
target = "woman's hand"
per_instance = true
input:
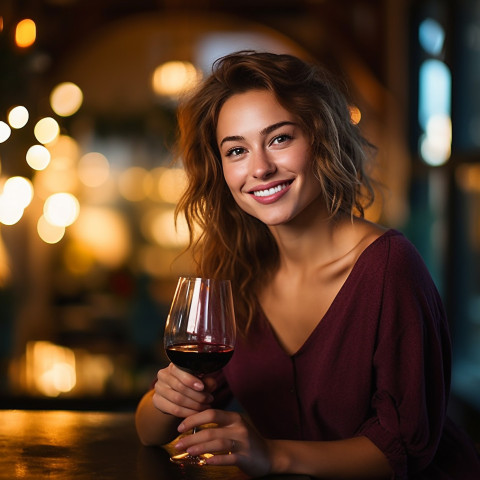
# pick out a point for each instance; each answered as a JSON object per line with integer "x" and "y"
{"x": 233, "y": 440}
{"x": 181, "y": 394}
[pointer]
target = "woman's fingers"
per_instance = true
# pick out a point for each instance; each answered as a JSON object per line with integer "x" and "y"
{"x": 179, "y": 393}
{"x": 228, "y": 431}
{"x": 210, "y": 440}
{"x": 202, "y": 418}
{"x": 232, "y": 440}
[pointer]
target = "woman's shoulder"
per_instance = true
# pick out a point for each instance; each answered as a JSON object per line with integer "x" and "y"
{"x": 376, "y": 237}
{"x": 397, "y": 259}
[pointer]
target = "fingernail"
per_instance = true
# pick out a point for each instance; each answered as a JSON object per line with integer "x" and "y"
{"x": 181, "y": 427}
{"x": 198, "y": 386}
{"x": 179, "y": 446}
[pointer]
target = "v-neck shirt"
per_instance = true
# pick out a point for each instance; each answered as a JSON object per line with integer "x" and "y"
{"x": 377, "y": 364}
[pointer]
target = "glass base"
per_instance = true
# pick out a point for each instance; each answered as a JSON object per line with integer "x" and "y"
{"x": 187, "y": 459}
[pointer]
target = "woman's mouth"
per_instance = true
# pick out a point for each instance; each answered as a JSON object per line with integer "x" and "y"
{"x": 272, "y": 193}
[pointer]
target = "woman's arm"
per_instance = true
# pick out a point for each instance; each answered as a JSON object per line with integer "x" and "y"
{"x": 353, "y": 458}
{"x": 153, "y": 426}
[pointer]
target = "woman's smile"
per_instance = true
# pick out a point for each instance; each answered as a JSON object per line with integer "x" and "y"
{"x": 271, "y": 193}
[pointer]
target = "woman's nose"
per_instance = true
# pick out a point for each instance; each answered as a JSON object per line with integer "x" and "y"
{"x": 262, "y": 166}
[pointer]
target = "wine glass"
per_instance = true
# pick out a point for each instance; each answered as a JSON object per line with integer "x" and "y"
{"x": 200, "y": 332}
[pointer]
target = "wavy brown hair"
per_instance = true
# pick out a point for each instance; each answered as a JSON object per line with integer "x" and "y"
{"x": 227, "y": 242}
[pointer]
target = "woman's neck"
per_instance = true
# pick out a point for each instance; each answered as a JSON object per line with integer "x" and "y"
{"x": 301, "y": 241}
{"x": 321, "y": 241}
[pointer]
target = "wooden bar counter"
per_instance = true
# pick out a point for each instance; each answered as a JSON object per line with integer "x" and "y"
{"x": 73, "y": 445}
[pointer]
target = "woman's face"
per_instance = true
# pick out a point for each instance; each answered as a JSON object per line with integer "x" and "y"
{"x": 266, "y": 158}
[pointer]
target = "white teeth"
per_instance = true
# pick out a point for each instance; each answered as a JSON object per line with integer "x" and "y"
{"x": 270, "y": 191}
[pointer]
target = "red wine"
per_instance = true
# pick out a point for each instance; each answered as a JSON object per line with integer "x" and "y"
{"x": 200, "y": 358}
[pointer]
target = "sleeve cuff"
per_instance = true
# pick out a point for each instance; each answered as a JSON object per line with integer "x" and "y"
{"x": 391, "y": 446}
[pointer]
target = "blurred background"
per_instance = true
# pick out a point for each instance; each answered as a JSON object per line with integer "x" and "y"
{"x": 89, "y": 254}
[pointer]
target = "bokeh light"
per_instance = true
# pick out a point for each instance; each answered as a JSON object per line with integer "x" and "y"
{"x": 468, "y": 177}
{"x": 171, "y": 184}
{"x": 105, "y": 233}
{"x": 19, "y": 190}
{"x": 16, "y": 196}
{"x": 61, "y": 174}
{"x": 135, "y": 183}
{"x": 158, "y": 226}
{"x": 38, "y": 157}
{"x": 61, "y": 209}
{"x": 435, "y": 145}
{"x": 355, "y": 114}
{"x": 175, "y": 77}
{"x": 66, "y": 98}
{"x": 25, "y": 33}
{"x": 5, "y": 132}
{"x": 64, "y": 146}
{"x": 93, "y": 169}
{"x": 18, "y": 117}
{"x": 51, "y": 367}
{"x": 9, "y": 214}
{"x": 49, "y": 233}
{"x": 78, "y": 258}
{"x": 46, "y": 130}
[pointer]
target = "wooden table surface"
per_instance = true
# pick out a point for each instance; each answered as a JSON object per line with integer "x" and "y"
{"x": 36, "y": 445}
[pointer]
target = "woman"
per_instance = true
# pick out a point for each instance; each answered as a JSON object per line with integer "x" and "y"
{"x": 342, "y": 364}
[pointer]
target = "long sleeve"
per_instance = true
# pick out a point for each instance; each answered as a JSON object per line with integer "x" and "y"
{"x": 411, "y": 364}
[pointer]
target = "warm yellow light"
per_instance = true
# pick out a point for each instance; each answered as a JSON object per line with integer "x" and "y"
{"x": 93, "y": 169}
{"x": 5, "y": 132}
{"x": 173, "y": 78}
{"x": 61, "y": 209}
{"x": 10, "y": 213}
{"x": 66, "y": 98}
{"x": 159, "y": 227}
{"x": 171, "y": 185}
{"x": 78, "y": 258}
{"x": 61, "y": 174}
{"x": 50, "y": 368}
{"x": 355, "y": 114}
{"x": 46, "y": 130}
{"x": 105, "y": 232}
{"x": 38, "y": 157}
{"x": 18, "y": 191}
{"x": 135, "y": 183}
{"x": 18, "y": 117}
{"x": 49, "y": 233}
{"x": 25, "y": 33}
{"x": 64, "y": 146}
{"x": 468, "y": 177}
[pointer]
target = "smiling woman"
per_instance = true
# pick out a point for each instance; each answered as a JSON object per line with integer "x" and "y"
{"x": 343, "y": 355}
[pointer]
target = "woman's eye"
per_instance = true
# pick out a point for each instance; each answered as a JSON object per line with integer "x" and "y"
{"x": 281, "y": 139}
{"x": 234, "y": 152}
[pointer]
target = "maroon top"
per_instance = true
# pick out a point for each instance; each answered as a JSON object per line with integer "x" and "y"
{"x": 377, "y": 365}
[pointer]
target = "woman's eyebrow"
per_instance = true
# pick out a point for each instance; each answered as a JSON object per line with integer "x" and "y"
{"x": 234, "y": 138}
{"x": 274, "y": 127}
{"x": 263, "y": 132}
